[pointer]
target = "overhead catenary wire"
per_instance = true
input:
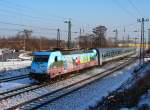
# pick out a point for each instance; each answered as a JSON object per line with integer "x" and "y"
{"x": 35, "y": 32}
{"x": 15, "y": 6}
{"x": 29, "y": 25}
{"x": 24, "y": 14}
{"x": 61, "y": 19}
{"x": 42, "y": 19}
{"x": 123, "y": 26}
{"x": 16, "y": 24}
{"x": 135, "y": 8}
{"x": 19, "y": 6}
{"x": 9, "y": 29}
{"x": 124, "y": 9}
{"x": 38, "y": 27}
{"x": 26, "y": 21}
{"x": 24, "y": 9}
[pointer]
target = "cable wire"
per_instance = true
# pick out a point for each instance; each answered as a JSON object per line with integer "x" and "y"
{"x": 31, "y": 9}
{"x": 124, "y": 9}
{"x": 135, "y": 8}
{"x": 8, "y": 23}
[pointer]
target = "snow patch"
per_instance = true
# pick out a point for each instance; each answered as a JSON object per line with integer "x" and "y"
{"x": 25, "y": 56}
{"x": 5, "y": 66}
{"x": 92, "y": 93}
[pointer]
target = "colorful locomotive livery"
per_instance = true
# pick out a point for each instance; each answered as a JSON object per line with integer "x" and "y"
{"x": 55, "y": 63}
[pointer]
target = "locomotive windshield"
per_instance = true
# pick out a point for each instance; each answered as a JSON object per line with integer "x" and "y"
{"x": 41, "y": 58}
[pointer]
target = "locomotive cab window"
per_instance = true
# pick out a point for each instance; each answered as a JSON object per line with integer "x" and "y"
{"x": 41, "y": 58}
{"x": 56, "y": 59}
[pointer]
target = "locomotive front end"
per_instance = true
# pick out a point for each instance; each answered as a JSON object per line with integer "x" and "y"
{"x": 39, "y": 65}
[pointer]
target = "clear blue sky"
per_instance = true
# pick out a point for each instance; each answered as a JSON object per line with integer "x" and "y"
{"x": 84, "y": 13}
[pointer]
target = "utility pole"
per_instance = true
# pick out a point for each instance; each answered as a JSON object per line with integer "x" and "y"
{"x": 142, "y": 53}
{"x": 69, "y": 33}
{"x": 80, "y": 32}
{"x": 27, "y": 34}
{"x": 128, "y": 40}
{"x": 124, "y": 36}
{"x": 135, "y": 41}
{"x": 116, "y": 36}
{"x": 137, "y": 35}
{"x": 83, "y": 31}
{"x": 58, "y": 38}
{"x": 40, "y": 43}
{"x": 148, "y": 38}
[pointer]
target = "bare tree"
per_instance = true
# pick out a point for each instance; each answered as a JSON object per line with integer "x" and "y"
{"x": 86, "y": 41}
{"x": 100, "y": 39}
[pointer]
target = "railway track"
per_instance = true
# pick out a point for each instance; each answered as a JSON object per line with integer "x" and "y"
{"x": 47, "y": 98}
{"x": 26, "y": 88}
{"x": 14, "y": 78}
{"x": 17, "y": 77}
{"x": 17, "y": 91}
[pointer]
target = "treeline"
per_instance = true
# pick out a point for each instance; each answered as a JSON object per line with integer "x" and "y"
{"x": 91, "y": 41}
{"x": 43, "y": 43}
{"x": 30, "y": 44}
{"x": 97, "y": 39}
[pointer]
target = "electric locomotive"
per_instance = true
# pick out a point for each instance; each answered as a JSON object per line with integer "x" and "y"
{"x": 54, "y": 63}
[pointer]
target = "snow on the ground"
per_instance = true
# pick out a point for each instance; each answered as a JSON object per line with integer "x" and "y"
{"x": 14, "y": 84}
{"x": 89, "y": 95}
{"x": 13, "y": 73}
{"x": 53, "y": 87}
{"x": 138, "y": 75}
{"x": 12, "y": 64}
{"x": 23, "y": 71}
{"x": 144, "y": 101}
{"x": 12, "y": 69}
{"x": 25, "y": 56}
{"x": 146, "y": 59}
{"x": 4, "y": 66}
